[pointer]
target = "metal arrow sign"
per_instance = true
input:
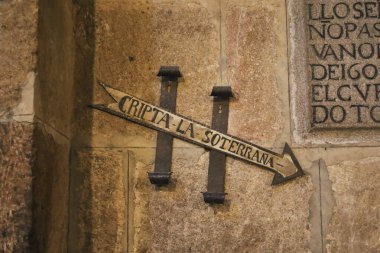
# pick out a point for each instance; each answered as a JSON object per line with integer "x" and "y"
{"x": 285, "y": 165}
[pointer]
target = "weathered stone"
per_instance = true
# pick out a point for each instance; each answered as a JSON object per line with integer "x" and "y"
{"x": 99, "y": 202}
{"x": 256, "y": 216}
{"x": 134, "y": 39}
{"x": 141, "y": 162}
{"x": 354, "y": 226}
{"x": 54, "y": 92}
{"x": 16, "y": 157}
{"x": 114, "y": 208}
{"x": 25, "y": 109}
{"x": 50, "y": 190}
{"x": 255, "y": 52}
{"x": 62, "y": 93}
{"x": 343, "y": 52}
{"x": 175, "y": 218}
{"x": 332, "y": 99}
{"x": 18, "y": 25}
{"x": 345, "y": 175}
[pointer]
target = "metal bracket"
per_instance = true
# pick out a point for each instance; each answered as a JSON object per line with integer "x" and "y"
{"x": 216, "y": 169}
{"x": 162, "y": 169}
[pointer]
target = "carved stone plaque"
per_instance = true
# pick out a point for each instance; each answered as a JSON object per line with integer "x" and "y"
{"x": 343, "y": 50}
{"x": 336, "y": 62}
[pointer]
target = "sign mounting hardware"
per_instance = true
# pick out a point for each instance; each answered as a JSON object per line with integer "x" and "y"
{"x": 217, "y": 164}
{"x": 162, "y": 166}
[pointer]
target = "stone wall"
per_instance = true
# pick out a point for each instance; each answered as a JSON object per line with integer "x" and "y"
{"x": 235, "y": 42}
{"x": 18, "y": 42}
{"x": 65, "y": 45}
{"x": 243, "y": 44}
{"x": 91, "y": 190}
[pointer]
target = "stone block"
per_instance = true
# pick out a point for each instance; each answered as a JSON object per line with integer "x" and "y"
{"x": 16, "y": 158}
{"x": 54, "y": 89}
{"x": 354, "y": 225}
{"x": 50, "y": 190}
{"x": 134, "y": 39}
{"x": 333, "y": 73}
{"x": 18, "y": 43}
{"x": 98, "y": 202}
{"x": 256, "y": 59}
{"x": 256, "y": 216}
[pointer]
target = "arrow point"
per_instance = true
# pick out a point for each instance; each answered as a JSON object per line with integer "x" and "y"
{"x": 278, "y": 178}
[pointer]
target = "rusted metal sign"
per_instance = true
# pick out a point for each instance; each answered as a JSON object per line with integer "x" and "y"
{"x": 285, "y": 165}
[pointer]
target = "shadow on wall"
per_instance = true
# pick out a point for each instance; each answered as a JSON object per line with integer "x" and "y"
{"x": 66, "y": 40}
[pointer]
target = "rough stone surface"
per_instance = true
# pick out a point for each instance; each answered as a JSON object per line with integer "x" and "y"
{"x": 18, "y": 26}
{"x": 114, "y": 208}
{"x": 255, "y": 218}
{"x": 18, "y": 42}
{"x": 25, "y": 109}
{"x": 50, "y": 191}
{"x": 62, "y": 95}
{"x": 54, "y": 87}
{"x": 134, "y": 39}
{"x": 301, "y": 55}
{"x": 256, "y": 70}
{"x": 98, "y": 202}
{"x": 15, "y": 184}
{"x": 337, "y": 86}
{"x": 354, "y": 226}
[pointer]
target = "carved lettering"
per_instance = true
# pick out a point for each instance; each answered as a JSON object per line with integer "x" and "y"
{"x": 344, "y": 63}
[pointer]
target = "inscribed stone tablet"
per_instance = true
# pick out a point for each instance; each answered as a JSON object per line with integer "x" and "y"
{"x": 341, "y": 61}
